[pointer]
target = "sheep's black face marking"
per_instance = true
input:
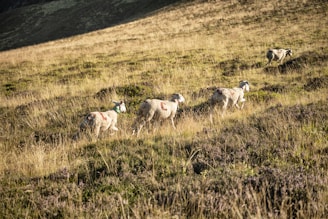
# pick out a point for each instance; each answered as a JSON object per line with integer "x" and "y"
{"x": 219, "y": 91}
{"x": 119, "y": 107}
{"x": 178, "y": 97}
{"x": 289, "y": 52}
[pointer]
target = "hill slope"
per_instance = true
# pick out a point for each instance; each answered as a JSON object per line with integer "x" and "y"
{"x": 268, "y": 160}
{"x": 42, "y": 22}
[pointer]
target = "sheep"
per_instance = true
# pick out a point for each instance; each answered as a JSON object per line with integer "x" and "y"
{"x": 277, "y": 55}
{"x": 103, "y": 120}
{"x": 223, "y": 95}
{"x": 160, "y": 109}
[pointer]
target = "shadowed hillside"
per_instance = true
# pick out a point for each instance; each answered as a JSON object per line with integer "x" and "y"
{"x": 7, "y": 5}
{"x": 34, "y": 23}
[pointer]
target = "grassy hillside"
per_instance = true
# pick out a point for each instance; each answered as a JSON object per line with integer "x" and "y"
{"x": 267, "y": 161}
{"x": 42, "y": 21}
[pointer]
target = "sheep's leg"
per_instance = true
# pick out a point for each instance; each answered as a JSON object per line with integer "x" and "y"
{"x": 211, "y": 115}
{"x": 115, "y": 129}
{"x": 97, "y": 130}
{"x": 143, "y": 123}
{"x": 242, "y": 103}
{"x": 148, "y": 118}
{"x": 113, "y": 126}
{"x": 140, "y": 127}
{"x": 237, "y": 106}
{"x": 225, "y": 106}
{"x": 172, "y": 122}
{"x": 213, "y": 110}
{"x": 242, "y": 100}
{"x": 282, "y": 58}
{"x": 104, "y": 128}
{"x": 135, "y": 125}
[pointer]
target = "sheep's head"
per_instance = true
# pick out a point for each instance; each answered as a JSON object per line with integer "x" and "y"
{"x": 244, "y": 85}
{"x": 289, "y": 52}
{"x": 119, "y": 106}
{"x": 178, "y": 97}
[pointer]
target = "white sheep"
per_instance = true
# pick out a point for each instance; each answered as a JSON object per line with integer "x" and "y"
{"x": 103, "y": 120}
{"x": 277, "y": 55}
{"x": 224, "y": 95}
{"x": 160, "y": 109}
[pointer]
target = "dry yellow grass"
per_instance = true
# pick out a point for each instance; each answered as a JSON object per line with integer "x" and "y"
{"x": 174, "y": 30}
